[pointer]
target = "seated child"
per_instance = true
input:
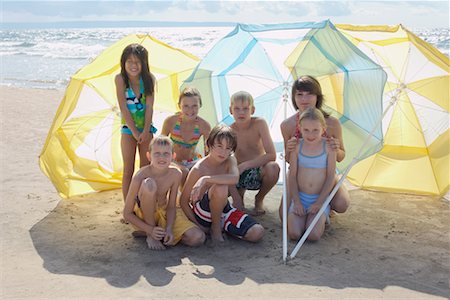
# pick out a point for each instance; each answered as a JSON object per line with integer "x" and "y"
{"x": 204, "y": 199}
{"x": 255, "y": 153}
{"x": 185, "y": 130}
{"x": 150, "y": 202}
{"x": 311, "y": 176}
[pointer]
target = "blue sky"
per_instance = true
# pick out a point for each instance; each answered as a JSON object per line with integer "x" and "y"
{"x": 410, "y": 13}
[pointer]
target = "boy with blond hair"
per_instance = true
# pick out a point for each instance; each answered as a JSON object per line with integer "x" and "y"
{"x": 150, "y": 202}
{"x": 255, "y": 153}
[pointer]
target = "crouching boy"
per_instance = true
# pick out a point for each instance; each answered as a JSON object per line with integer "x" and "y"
{"x": 150, "y": 204}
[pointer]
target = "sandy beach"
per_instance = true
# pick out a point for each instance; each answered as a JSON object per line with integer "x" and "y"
{"x": 386, "y": 246}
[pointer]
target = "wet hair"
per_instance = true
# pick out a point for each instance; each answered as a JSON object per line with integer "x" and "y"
{"x": 142, "y": 54}
{"x": 221, "y": 132}
{"x": 161, "y": 140}
{"x": 314, "y": 114}
{"x": 190, "y": 91}
{"x": 309, "y": 84}
{"x": 242, "y": 96}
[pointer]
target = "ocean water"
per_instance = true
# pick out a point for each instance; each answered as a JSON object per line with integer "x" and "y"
{"x": 47, "y": 58}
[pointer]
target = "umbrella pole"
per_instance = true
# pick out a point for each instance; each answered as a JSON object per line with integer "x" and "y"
{"x": 285, "y": 99}
{"x": 297, "y": 247}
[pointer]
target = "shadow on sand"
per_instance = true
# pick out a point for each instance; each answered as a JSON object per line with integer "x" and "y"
{"x": 383, "y": 240}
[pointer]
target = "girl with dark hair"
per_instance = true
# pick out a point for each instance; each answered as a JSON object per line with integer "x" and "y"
{"x": 135, "y": 87}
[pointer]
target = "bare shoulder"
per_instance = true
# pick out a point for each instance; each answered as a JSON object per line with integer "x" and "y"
{"x": 142, "y": 173}
{"x": 332, "y": 121}
{"x": 333, "y": 125}
{"x": 175, "y": 173}
{"x": 288, "y": 125}
{"x": 119, "y": 79}
{"x": 204, "y": 125}
{"x": 259, "y": 122}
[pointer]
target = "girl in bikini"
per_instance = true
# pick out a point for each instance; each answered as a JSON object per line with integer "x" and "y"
{"x": 185, "y": 129}
{"x": 135, "y": 87}
{"x": 311, "y": 176}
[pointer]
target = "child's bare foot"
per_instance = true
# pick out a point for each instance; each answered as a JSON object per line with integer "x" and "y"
{"x": 123, "y": 221}
{"x": 259, "y": 208}
{"x": 257, "y": 211}
{"x": 217, "y": 236}
{"x": 154, "y": 244}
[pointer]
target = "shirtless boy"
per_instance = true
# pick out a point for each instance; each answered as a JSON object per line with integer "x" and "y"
{"x": 255, "y": 153}
{"x": 150, "y": 202}
{"x": 204, "y": 199}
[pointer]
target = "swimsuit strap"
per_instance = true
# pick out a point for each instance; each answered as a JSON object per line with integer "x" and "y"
{"x": 176, "y": 137}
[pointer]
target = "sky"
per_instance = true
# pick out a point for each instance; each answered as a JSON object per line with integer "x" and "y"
{"x": 429, "y": 14}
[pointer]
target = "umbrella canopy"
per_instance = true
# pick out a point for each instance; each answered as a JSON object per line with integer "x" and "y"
{"x": 82, "y": 151}
{"x": 264, "y": 60}
{"x": 415, "y": 155}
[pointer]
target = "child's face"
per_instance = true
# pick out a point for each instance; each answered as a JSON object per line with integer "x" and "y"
{"x": 133, "y": 66}
{"x": 161, "y": 156}
{"x": 311, "y": 131}
{"x": 241, "y": 110}
{"x": 220, "y": 150}
{"x": 305, "y": 100}
{"x": 189, "y": 106}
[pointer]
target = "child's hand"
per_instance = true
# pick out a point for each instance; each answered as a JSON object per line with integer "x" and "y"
{"x": 242, "y": 167}
{"x": 144, "y": 137}
{"x": 158, "y": 233}
{"x": 299, "y": 210}
{"x": 196, "y": 191}
{"x": 291, "y": 144}
{"x": 314, "y": 208}
{"x": 136, "y": 135}
{"x": 333, "y": 144}
{"x": 168, "y": 238}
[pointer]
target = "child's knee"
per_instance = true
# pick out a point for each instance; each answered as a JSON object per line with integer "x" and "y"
{"x": 148, "y": 185}
{"x": 272, "y": 170}
{"x": 294, "y": 235}
{"x": 314, "y": 236}
{"x": 255, "y": 233}
{"x": 194, "y": 237}
{"x": 219, "y": 191}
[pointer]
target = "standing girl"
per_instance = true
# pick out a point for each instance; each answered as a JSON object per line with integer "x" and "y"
{"x": 135, "y": 87}
{"x": 185, "y": 130}
{"x": 311, "y": 176}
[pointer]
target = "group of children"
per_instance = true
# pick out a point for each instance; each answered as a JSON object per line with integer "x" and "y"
{"x": 237, "y": 158}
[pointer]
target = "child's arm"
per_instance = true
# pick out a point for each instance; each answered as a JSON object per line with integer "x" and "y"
{"x": 290, "y": 142}
{"x": 206, "y": 129}
{"x": 335, "y": 139}
{"x": 149, "y": 100}
{"x": 167, "y": 125}
{"x": 130, "y": 201}
{"x": 204, "y": 182}
{"x": 269, "y": 148}
{"x": 329, "y": 181}
{"x": 193, "y": 176}
{"x": 120, "y": 92}
{"x": 293, "y": 184}
{"x": 171, "y": 206}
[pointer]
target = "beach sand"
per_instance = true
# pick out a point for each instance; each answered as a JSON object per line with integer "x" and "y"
{"x": 391, "y": 246}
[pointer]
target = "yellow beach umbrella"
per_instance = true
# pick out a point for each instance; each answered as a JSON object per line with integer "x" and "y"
{"x": 415, "y": 155}
{"x": 82, "y": 151}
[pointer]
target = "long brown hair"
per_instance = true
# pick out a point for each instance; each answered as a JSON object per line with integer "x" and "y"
{"x": 142, "y": 54}
{"x": 309, "y": 84}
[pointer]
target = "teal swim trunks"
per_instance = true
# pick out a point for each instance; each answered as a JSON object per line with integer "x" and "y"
{"x": 250, "y": 179}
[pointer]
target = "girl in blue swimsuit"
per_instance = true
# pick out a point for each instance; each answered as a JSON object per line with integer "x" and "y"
{"x": 135, "y": 87}
{"x": 311, "y": 176}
